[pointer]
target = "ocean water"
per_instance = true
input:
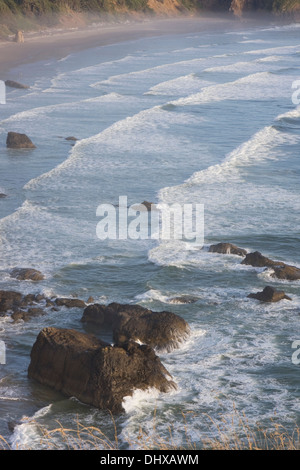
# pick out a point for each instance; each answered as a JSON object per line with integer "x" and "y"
{"x": 202, "y": 118}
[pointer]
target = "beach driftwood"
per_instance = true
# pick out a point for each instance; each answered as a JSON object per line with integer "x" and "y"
{"x": 95, "y": 372}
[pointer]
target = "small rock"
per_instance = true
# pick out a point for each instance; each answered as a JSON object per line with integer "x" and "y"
{"x": 228, "y": 249}
{"x": 9, "y": 300}
{"x": 71, "y": 138}
{"x": 18, "y": 141}
{"x": 27, "y": 315}
{"x": 70, "y": 303}
{"x": 269, "y": 295}
{"x": 27, "y": 274}
{"x": 13, "y": 84}
{"x": 184, "y": 299}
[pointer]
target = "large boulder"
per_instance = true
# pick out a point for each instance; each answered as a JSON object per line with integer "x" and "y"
{"x": 15, "y": 140}
{"x": 26, "y": 274}
{"x": 160, "y": 330}
{"x": 227, "y": 249}
{"x": 269, "y": 294}
{"x": 95, "y": 372}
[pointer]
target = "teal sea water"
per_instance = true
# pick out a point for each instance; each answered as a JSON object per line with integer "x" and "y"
{"x": 202, "y": 118}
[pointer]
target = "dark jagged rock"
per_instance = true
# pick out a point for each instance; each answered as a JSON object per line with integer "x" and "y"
{"x": 27, "y": 274}
{"x": 2, "y": 195}
{"x": 71, "y": 138}
{"x": 9, "y": 300}
{"x": 70, "y": 303}
{"x": 27, "y": 315}
{"x": 96, "y": 373}
{"x": 161, "y": 330}
{"x": 13, "y": 84}
{"x": 280, "y": 269}
{"x": 256, "y": 259}
{"x": 227, "y": 249}
{"x": 287, "y": 272}
{"x": 15, "y": 140}
{"x": 269, "y": 294}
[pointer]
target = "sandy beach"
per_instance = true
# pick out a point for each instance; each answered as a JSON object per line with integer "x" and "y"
{"x": 58, "y": 43}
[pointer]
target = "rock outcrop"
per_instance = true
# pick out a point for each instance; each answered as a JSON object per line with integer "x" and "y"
{"x": 256, "y": 259}
{"x": 13, "y": 84}
{"x": 227, "y": 249}
{"x": 269, "y": 294}
{"x": 280, "y": 269}
{"x": 15, "y": 140}
{"x": 160, "y": 330}
{"x": 287, "y": 272}
{"x": 27, "y": 274}
{"x": 96, "y": 373}
{"x": 19, "y": 37}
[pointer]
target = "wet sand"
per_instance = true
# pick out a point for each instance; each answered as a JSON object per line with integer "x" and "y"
{"x": 59, "y": 43}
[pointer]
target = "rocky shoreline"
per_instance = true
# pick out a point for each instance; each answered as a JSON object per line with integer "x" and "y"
{"x": 102, "y": 374}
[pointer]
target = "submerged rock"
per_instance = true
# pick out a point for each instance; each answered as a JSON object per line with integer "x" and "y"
{"x": 96, "y": 373}
{"x": 13, "y": 84}
{"x": 228, "y": 249}
{"x": 184, "y": 299}
{"x": 15, "y": 140}
{"x": 27, "y": 274}
{"x": 269, "y": 294}
{"x": 161, "y": 330}
{"x": 9, "y": 300}
{"x": 70, "y": 303}
{"x": 27, "y": 315}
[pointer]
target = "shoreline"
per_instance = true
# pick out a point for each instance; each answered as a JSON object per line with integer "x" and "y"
{"x": 58, "y": 43}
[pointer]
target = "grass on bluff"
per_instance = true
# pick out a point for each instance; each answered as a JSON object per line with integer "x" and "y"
{"x": 231, "y": 433}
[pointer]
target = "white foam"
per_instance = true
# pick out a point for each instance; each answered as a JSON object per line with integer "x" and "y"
{"x": 179, "y": 86}
{"x": 284, "y": 50}
{"x": 257, "y": 86}
{"x": 27, "y": 435}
